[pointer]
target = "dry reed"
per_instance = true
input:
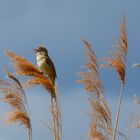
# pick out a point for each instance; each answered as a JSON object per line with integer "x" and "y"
{"x": 26, "y": 68}
{"x": 118, "y": 62}
{"x": 96, "y": 134}
{"x": 135, "y": 123}
{"x": 136, "y": 65}
{"x": 18, "y": 116}
{"x": 101, "y": 124}
{"x": 35, "y": 77}
{"x": 118, "y": 59}
{"x": 14, "y": 95}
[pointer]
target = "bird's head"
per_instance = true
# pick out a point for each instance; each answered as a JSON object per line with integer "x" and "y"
{"x": 41, "y": 50}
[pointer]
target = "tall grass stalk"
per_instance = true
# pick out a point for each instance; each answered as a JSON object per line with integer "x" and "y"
{"x": 118, "y": 113}
{"x": 118, "y": 62}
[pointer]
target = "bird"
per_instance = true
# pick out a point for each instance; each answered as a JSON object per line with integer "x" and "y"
{"x": 45, "y": 64}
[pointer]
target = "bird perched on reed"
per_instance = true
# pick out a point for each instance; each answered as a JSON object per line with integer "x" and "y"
{"x": 45, "y": 63}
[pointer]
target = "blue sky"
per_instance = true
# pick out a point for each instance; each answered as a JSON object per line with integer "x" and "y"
{"x": 60, "y": 26}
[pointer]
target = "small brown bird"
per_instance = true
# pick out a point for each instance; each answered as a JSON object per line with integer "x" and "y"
{"x": 45, "y": 63}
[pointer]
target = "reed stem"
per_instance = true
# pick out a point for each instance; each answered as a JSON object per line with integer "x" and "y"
{"x": 56, "y": 124}
{"x": 53, "y": 119}
{"x": 118, "y": 113}
{"x": 30, "y": 133}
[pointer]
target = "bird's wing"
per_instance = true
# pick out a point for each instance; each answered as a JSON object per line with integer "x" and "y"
{"x": 51, "y": 64}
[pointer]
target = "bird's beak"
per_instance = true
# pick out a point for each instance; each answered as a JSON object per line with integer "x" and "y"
{"x": 35, "y": 50}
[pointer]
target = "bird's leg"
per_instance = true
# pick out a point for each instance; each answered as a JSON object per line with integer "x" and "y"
{"x": 41, "y": 72}
{"x": 46, "y": 76}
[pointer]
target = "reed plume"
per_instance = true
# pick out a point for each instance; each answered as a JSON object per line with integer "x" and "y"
{"x": 136, "y": 65}
{"x": 14, "y": 95}
{"x": 135, "y": 123}
{"x": 25, "y": 68}
{"x": 35, "y": 77}
{"x": 118, "y": 62}
{"x": 101, "y": 123}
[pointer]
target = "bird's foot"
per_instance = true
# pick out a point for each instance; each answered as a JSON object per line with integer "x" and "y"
{"x": 41, "y": 73}
{"x": 46, "y": 76}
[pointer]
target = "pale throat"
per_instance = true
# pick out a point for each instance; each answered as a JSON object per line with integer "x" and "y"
{"x": 41, "y": 61}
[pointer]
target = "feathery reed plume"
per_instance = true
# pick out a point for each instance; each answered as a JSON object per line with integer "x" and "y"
{"x": 101, "y": 124}
{"x": 136, "y": 100}
{"x": 18, "y": 116}
{"x": 134, "y": 119}
{"x": 135, "y": 123}
{"x": 96, "y": 134}
{"x": 118, "y": 62}
{"x": 118, "y": 59}
{"x": 136, "y": 65}
{"x": 14, "y": 95}
{"x": 25, "y": 68}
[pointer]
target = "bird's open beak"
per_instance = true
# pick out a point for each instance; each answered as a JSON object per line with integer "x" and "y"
{"x": 35, "y": 50}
